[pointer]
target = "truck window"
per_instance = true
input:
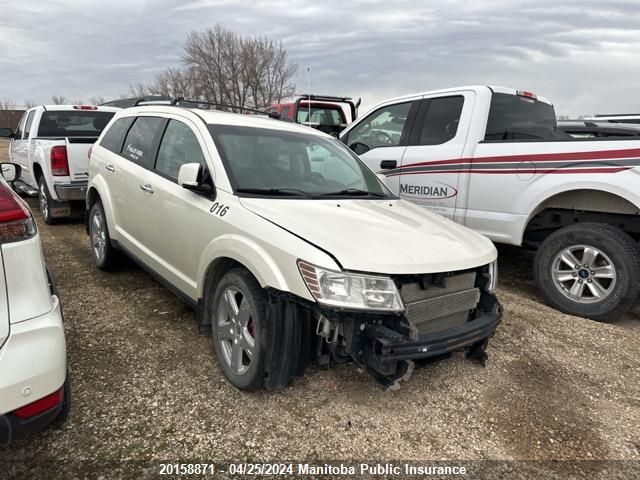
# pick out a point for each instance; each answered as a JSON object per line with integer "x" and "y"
{"x": 114, "y": 136}
{"x": 20, "y": 129}
{"x": 141, "y": 144}
{"x": 320, "y": 116}
{"x": 179, "y": 146}
{"x": 27, "y": 127}
{"x": 383, "y": 128}
{"x": 512, "y": 117}
{"x": 439, "y": 122}
{"x": 73, "y": 123}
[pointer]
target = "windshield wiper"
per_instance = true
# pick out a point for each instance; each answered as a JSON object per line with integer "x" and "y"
{"x": 274, "y": 191}
{"x": 356, "y": 192}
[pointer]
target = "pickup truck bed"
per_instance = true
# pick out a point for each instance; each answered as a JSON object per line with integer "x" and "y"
{"x": 51, "y": 145}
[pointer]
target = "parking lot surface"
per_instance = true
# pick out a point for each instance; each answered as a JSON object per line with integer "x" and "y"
{"x": 146, "y": 386}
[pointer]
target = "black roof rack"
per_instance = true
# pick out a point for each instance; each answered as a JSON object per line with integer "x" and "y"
{"x": 182, "y": 102}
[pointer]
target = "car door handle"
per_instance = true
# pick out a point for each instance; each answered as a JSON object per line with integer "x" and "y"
{"x": 111, "y": 168}
{"x": 386, "y": 164}
{"x": 146, "y": 188}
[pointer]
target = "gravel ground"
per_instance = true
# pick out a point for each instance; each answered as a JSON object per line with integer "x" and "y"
{"x": 146, "y": 388}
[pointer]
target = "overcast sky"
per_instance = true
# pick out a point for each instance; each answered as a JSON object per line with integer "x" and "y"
{"x": 584, "y": 56}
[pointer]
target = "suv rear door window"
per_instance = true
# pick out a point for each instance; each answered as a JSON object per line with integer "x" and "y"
{"x": 141, "y": 144}
{"x": 179, "y": 146}
{"x": 114, "y": 136}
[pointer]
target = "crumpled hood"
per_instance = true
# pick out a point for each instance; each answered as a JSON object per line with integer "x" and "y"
{"x": 379, "y": 236}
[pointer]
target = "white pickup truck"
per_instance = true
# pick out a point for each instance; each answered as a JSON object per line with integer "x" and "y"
{"x": 51, "y": 145}
{"x": 492, "y": 159}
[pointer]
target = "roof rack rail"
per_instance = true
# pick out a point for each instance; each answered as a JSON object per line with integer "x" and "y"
{"x": 617, "y": 115}
{"x": 271, "y": 114}
{"x": 180, "y": 101}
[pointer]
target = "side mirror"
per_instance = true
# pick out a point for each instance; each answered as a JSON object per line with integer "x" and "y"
{"x": 6, "y": 133}
{"x": 191, "y": 177}
{"x": 359, "y": 148}
{"x": 10, "y": 171}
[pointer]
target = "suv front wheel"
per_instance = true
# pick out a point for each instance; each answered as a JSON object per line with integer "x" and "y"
{"x": 239, "y": 313}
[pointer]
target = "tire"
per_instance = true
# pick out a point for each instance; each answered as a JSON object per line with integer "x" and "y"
{"x": 240, "y": 330}
{"x": 607, "y": 281}
{"x": 45, "y": 202}
{"x": 105, "y": 256}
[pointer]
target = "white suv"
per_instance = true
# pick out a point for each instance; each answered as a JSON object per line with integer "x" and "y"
{"x": 286, "y": 244}
{"x": 33, "y": 387}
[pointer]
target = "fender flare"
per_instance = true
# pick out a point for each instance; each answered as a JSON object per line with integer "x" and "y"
{"x": 246, "y": 252}
{"x": 99, "y": 186}
{"x": 533, "y": 205}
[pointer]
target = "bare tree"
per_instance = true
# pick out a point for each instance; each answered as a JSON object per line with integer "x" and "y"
{"x": 58, "y": 99}
{"x": 174, "y": 82}
{"x": 96, "y": 100}
{"x": 77, "y": 101}
{"x": 28, "y": 103}
{"x": 7, "y": 104}
{"x": 138, "y": 90}
{"x": 243, "y": 71}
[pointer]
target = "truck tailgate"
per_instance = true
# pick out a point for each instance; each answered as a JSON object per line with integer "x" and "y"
{"x": 78, "y": 156}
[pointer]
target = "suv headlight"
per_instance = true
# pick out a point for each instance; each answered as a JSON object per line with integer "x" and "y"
{"x": 493, "y": 276}
{"x": 351, "y": 290}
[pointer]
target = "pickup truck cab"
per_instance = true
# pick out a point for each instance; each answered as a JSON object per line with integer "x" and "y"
{"x": 493, "y": 159}
{"x": 285, "y": 244}
{"x": 322, "y": 112}
{"x": 51, "y": 146}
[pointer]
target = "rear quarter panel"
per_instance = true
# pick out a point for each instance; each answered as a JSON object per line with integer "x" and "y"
{"x": 507, "y": 181}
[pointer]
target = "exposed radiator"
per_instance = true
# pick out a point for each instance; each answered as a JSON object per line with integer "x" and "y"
{"x": 438, "y": 308}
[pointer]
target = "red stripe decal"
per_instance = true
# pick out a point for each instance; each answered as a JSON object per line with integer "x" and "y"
{"x": 539, "y": 157}
{"x": 512, "y": 171}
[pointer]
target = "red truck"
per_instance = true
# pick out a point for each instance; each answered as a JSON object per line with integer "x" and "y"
{"x": 323, "y": 112}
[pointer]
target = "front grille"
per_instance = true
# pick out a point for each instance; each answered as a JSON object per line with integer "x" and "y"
{"x": 437, "y": 308}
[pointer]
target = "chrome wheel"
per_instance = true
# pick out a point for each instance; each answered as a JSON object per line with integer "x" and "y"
{"x": 583, "y": 274}
{"x": 43, "y": 201}
{"x": 98, "y": 235}
{"x": 235, "y": 330}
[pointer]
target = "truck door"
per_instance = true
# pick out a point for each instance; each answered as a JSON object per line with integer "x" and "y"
{"x": 20, "y": 146}
{"x": 432, "y": 161}
{"x": 380, "y": 138}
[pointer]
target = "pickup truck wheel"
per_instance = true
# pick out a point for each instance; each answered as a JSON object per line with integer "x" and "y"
{"x": 238, "y": 324}
{"x": 45, "y": 201}
{"x": 104, "y": 254}
{"x": 589, "y": 270}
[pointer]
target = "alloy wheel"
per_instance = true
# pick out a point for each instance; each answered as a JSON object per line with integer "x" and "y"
{"x": 584, "y": 274}
{"x": 98, "y": 235}
{"x": 235, "y": 330}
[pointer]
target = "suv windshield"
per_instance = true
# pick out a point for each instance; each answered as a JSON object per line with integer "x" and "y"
{"x": 513, "y": 117}
{"x": 275, "y": 162}
{"x": 73, "y": 123}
